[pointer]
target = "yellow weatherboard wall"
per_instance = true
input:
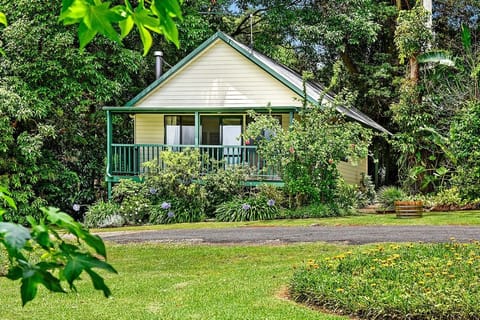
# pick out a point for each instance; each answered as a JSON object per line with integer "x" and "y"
{"x": 352, "y": 173}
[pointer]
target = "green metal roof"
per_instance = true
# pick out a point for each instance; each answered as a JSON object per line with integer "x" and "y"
{"x": 285, "y": 75}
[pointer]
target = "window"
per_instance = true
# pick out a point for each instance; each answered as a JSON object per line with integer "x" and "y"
{"x": 180, "y": 130}
{"x": 221, "y": 130}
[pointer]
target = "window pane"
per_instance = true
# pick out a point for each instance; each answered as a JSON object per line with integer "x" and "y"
{"x": 188, "y": 134}
{"x": 210, "y": 130}
{"x": 172, "y": 134}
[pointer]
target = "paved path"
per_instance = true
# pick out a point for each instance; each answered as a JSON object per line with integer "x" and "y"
{"x": 263, "y": 235}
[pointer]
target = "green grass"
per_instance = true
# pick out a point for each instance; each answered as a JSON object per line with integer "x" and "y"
{"x": 181, "y": 282}
{"x": 429, "y": 218}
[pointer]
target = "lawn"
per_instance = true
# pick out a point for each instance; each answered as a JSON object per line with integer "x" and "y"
{"x": 159, "y": 281}
{"x": 429, "y": 218}
{"x": 181, "y": 282}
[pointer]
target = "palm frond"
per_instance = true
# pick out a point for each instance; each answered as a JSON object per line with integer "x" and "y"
{"x": 438, "y": 57}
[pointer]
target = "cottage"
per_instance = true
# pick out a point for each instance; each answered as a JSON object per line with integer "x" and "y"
{"x": 202, "y": 102}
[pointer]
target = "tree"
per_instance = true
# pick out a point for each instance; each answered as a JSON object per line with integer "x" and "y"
{"x": 51, "y": 96}
{"x": 41, "y": 255}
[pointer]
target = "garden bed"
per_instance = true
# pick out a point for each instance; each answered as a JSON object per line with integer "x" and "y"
{"x": 416, "y": 281}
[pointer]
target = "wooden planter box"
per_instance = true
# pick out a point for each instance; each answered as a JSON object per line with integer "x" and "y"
{"x": 409, "y": 209}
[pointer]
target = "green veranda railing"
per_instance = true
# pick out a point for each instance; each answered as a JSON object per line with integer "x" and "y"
{"x": 128, "y": 159}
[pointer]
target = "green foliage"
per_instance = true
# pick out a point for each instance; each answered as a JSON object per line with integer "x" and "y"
{"x": 52, "y": 125}
{"x": 448, "y": 198}
{"x": 96, "y": 16}
{"x": 465, "y": 139}
{"x": 41, "y": 256}
{"x": 412, "y": 34}
{"x": 317, "y": 210}
{"x": 223, "y": 185}
{"x": 348, "y": 197}
{"x": 308, "y": 153}
{"x": 273, "y": 192}
{"x": 104, "y": 214}
{"x": 3, "y": 19}
{"x": 176, "y": 211}
{"x": 133, "y": 199}
{"x": 171, "y": 180}
{"x": 367, "y": 189}
{"x": 176, "y": 182}
{"x": 247, "y": 209}
{"x": 434, "y": 281}
{"x": 387, "y": 195}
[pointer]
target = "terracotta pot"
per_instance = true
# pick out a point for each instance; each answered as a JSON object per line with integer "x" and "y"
{"x": 409, "y": 209}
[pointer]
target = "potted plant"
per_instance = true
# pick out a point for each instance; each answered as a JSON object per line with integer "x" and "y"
{"x": 386, "y": 197}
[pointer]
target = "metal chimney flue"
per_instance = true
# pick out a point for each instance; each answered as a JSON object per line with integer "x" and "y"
{"x": 158, "y": 63}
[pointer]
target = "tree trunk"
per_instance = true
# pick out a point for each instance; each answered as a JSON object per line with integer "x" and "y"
{"x": 349, "y": 64}
{"x": 414, "y": 69}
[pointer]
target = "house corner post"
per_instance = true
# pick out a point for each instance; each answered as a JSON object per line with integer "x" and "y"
{"x": 109, "y": 154}
{"x": 291, "y": 118}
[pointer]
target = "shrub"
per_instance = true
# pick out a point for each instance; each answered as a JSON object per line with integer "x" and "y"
{"x": 133, "y": 200}
{"x": 104, "y": 214}
{"x": 270, "y": 191}
{"x": 247, "y": 209}
{"x": 171, "y": 179}
{"x": 448, "y": 197}
{"x": 347, "y": 196}
{"x": 416, "y": 281}
{"x": 223, "y": 185}
{"x": 367, "y": 189}
{"x": 387, "y": 195}
{"x": 176, "y": 183}
{"x": 465, "y": 139}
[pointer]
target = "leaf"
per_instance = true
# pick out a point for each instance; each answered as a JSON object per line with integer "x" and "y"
{"x": 15, "y": 273}
{"x": 85, "y": 35}
{"x": 28, "y": 288}
{"x": 66, "y": 4}
{"x": 95, "y": 242}
{"x": 14, "y": 236}
{"x": 143, "y": 19}
{"x": 6, "y": 196}
{"x": 77, "y": 263}
{"x": 38, "y": 274}
{"x": 126, "y": 26}
{"x": 63, "y": 220}
{"x": 73, "y": 11}
{"x": 442, "y": 171}
{"x": 439, "y": 57}
{"x": 3, "y": 19}
{"x": 166, "y": 10}
{"x": 93, "y": 18}
{"x": 98, "y": 283}
{"x": 466, "y": 38}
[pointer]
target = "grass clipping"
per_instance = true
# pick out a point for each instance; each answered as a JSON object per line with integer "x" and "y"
{"x": 414, "y": 281}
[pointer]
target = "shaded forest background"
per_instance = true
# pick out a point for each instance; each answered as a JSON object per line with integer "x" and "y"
{"x": 52, "y": 127}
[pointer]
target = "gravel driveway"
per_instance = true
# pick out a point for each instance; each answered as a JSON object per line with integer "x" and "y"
{"x": 272, "y": 235}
